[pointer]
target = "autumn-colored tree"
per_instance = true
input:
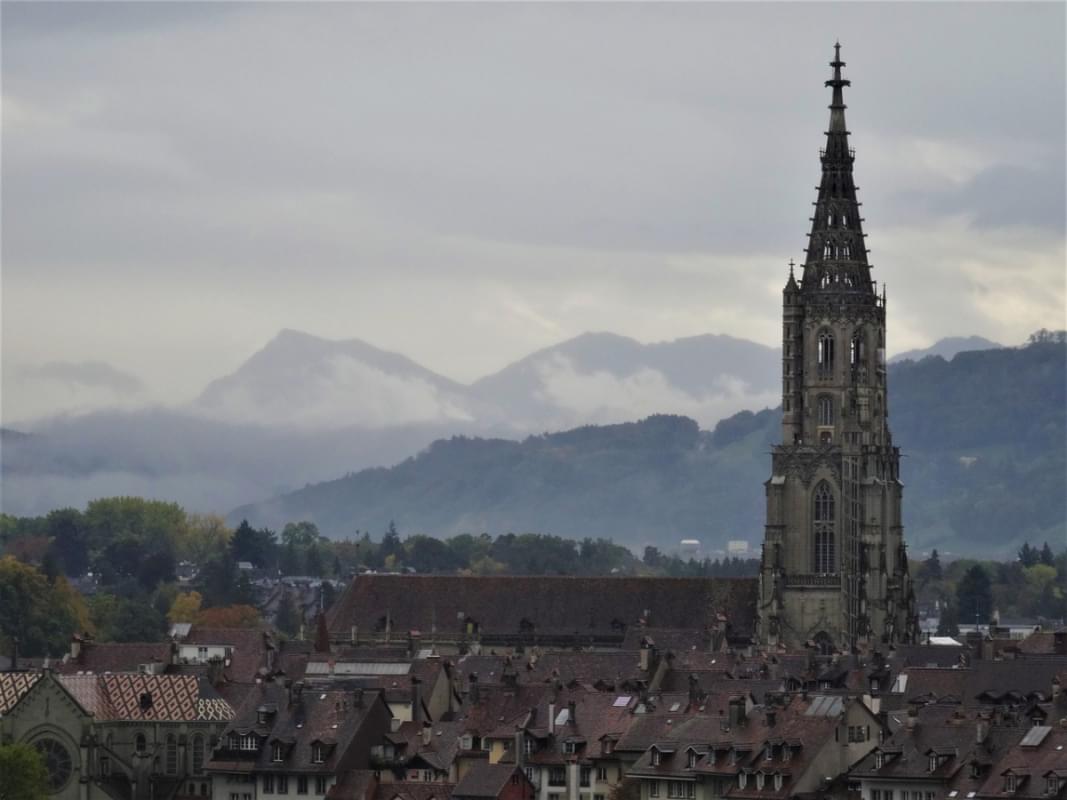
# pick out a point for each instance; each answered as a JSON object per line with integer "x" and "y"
{"x": 239, "y": 616}
{"x": 205, "y": 536}
{"x": 23, "y": 774}
{"x": 185, "y": 608}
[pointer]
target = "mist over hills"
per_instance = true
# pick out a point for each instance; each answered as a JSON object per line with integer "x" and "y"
{"x": 983, "y": 435}
{"x": 947, "y": 348}
{"x": 305, "y": 410}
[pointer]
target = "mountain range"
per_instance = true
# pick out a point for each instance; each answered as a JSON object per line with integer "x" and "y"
{"x": 983, "y": 438}
{"x": 304, "y": 410}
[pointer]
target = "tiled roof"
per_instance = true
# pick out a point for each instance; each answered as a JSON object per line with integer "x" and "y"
{"x": 412, "y": 790}
{"x": 510, "y": 606}
{"x": 129, "y": 696}
{"x": 333, "y": 717}
{"x": 485, "y": 780}
{"x": 155, "y": 698}
{"x": 250, "y": 648}
{"x": 13, "y": 685}
{"x": 116, "y": 657}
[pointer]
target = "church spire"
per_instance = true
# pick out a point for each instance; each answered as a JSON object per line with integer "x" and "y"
{"x": 837, "y": 258}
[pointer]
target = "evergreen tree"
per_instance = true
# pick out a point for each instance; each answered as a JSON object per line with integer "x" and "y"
{"x": 1047, "y": 557}
{"x": 932, "y": 567}
{"x": 1028, "y": 555}
{"x": 949, "y": 623}
{"x": 974, "y": 596}
{"x": 288, "y": 617}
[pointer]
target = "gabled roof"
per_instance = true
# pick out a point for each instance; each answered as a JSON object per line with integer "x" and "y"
{"x": 510, "y": 605}
{"x": 486, "y": 780}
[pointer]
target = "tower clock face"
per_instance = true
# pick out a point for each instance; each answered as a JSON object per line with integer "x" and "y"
{"x": 57, "y": 760}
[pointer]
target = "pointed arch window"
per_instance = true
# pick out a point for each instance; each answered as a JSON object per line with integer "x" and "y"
{"x": 857, "y": 350}
{"x": 823, "y": 525}
{"x": 826, "y": 410}
{"x": 825, "y": 355}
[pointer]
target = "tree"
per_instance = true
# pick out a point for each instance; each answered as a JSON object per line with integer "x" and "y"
{"x": 258, "y": 547}
{"x": 1047, "y": 558}
{"x": 313, "y": 561}
{"x": 948, "y": 624}
{"x": 240, "y": 616}
{"x": 185, "y": 607}
{"x": 288, "y": 618}
{"x": 204, "y": 537}
{"x": 121, "y": 619}
{"x": 652, "y": 557}
{"x": 23, "y": 774}
{"x": 155, "y": 569}
{"x": 70, "y": 541}
{"x": 300, "y": 534}
{"x": 1028, "y": 555}
{"x": 932, "y": 567}
{"x": 974, "y": 596}
{"x": 390, "y": 545}
{"x": 38, "y": 615}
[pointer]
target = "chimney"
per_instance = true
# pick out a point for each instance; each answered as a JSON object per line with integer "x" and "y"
{"x": 427, "y": 734}
{"x": 472, "y": 687}
{"x": 644, "y": 655}
{"x": 322, "y": 635}
{"x": 694, "y": 691}
{"x": 75, "y": 647}
{"x": 416, "y": 699}
{"x": 551, "y": 717}
{"x": 980, "y": 731}
{"x": 215, "y": 667}
{"x": 520, "y": 748}
{"x": 737, "y": 711}
{"x": 353, "y": 634}
{"x": 572, "y": 720}
{"x": 913, "y": 718}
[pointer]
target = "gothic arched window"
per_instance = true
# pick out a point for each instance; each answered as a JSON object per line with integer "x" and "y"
{"x": 172, "y": 754}
{"x": 823, "y": 526}
{"x": 857, "y": 351}
{"x": 826, "y": 352}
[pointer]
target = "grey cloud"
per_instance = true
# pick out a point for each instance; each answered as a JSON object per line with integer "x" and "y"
{"x": 91, "y": 374}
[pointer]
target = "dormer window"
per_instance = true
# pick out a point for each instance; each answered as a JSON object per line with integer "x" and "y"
{"x": 759, "y": 781}
{"x": 568, "y": 747}
{"x": 933, "y": 762}
{"x": 277, "y": 752}
{"x": 1052, "y": 784}
{"x": 976, "y": 769}
{"x": 768, "y": 752}
{"x": 879, "y": 759}
{"x": 742, "y": 779}
{"x": 656, "y": 758}
{"x": 466, "y": 742}
{"x": 691, "y": 761}
{"x": 1011, "y": 782}
{"x": 318, "y": 753}
{"x": 777, "y": 781}
{"x": 527, "y": 746}
{"x": 609, "y": 746}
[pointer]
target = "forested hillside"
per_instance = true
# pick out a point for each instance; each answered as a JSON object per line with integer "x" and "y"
{"x": 984, "y": 469}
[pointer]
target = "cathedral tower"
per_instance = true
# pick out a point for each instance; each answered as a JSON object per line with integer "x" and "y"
{"x": 834, "y": 567}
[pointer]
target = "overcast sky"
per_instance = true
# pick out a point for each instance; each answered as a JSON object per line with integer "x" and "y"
{"x": 466, "y": 183}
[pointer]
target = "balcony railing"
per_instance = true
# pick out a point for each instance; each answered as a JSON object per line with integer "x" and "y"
{"x": 813, "y": 579}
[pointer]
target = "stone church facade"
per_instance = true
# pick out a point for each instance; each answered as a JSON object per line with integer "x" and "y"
{"x": 834, "y": 566}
